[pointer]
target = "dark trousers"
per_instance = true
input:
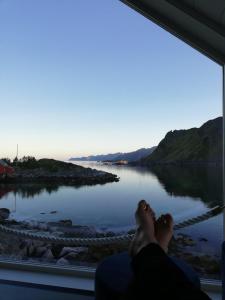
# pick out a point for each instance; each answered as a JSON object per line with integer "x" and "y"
{"x": 156, "y": 276}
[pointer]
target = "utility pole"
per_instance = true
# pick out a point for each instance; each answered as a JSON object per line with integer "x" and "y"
{"x": 17, "y": 151}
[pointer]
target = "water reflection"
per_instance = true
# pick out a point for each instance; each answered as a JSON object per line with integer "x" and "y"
{"x": 200, "y": 182}
{"x": 204, "y": 182}
{"x": 27, "y": 190}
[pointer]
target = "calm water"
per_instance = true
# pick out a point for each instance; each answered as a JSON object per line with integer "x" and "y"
{"x": 184, "y": 192}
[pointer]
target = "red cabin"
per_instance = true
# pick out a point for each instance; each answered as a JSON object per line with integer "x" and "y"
{"x": 5, "y": 170}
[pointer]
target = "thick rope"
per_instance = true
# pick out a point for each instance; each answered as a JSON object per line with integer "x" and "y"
{"x": 102, "y": 240}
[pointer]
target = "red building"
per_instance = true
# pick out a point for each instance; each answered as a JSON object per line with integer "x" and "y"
{"x": 5, "y": 169}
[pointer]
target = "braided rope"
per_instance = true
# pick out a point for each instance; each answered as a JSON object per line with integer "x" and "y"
{"x": 102, "y": 240}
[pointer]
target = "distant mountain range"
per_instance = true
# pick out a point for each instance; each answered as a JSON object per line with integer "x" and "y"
{"x": 190, "y": 146}
{"x": 130, "y": 156}
{"x": 195, "y": 145}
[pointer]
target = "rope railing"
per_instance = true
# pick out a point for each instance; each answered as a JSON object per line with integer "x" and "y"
{"x": 97, "y": 241}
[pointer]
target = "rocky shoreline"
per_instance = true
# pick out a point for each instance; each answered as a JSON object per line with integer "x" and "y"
{"x": 13, "y": 247}
{"x": 47, "y": 171}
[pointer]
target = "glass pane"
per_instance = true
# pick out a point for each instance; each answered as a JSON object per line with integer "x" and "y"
{"x": 93, "y": 78}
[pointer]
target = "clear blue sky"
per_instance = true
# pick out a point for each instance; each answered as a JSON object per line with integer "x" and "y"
{"x": 90, "y": 77}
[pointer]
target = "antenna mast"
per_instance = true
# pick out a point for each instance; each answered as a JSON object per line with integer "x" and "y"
{"x": 17, "y": 151}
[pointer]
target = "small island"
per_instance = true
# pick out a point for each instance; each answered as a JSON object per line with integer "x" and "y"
{"x": 30, "y": 170}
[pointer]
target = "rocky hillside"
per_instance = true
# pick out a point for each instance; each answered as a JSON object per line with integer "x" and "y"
{"x": 195, "y": 145}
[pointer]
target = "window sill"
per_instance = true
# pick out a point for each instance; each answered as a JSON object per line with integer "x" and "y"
{"x": 75, "y": 278}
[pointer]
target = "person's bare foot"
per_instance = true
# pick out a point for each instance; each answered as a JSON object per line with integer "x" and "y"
{"x": 143, "y": 204}
{"x": 164, "y": 230}
{"x": 145, "y": 234}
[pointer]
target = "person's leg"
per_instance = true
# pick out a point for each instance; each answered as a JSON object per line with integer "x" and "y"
{"x": 156, "y": 276}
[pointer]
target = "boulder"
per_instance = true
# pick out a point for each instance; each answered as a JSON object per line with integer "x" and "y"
{"x": 62, "y": 261}
{"x": 74, "y": 250}
{"x": 66, "y": 222}
{"x": 4, "y": 213}
{"x": 71, "y": 256}
{"x": 22, "y": 253}
{"x": 30, "y": 249}
{"x": 40, "y": 251}
{"x": 56, "y": 250}
{"x": 48, "y": 255}
{"x": 2, "y": 248}
{"x": 42, "y": 226}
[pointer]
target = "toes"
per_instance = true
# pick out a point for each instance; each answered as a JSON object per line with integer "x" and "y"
{"x": 150, "y": 210}
{"x": 160, "y": 219}
{"x": 169, "y": 219}
{"x": 165, "y": 220}
{"x": 142, "y": 204}
{"x": 144, "y": 207}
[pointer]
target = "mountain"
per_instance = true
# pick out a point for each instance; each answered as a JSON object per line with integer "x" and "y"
{"x": 195, "y": 145}
{"x": 130, "y": 156}
{"x": 100, "y": 157}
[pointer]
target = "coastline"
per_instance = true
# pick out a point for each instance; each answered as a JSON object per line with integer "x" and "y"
{"x": 46, "y": 171}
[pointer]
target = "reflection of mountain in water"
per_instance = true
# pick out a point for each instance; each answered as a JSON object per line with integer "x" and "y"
{"x": 27, "y": 190}
{"x": 193, "y": 181}
{"x": 196, "y": 182}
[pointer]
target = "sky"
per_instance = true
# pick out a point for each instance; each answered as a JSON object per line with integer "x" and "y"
{"x": 94, "y": 77}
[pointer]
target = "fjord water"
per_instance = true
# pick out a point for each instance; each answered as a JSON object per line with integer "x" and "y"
{"x": 182, "y": 191}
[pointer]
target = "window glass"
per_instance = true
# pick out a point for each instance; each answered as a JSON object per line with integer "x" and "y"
{"x": 101, "y": 108}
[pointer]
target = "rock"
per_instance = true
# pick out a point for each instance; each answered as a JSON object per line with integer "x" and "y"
{"x": 40, "y": 251}
{"x": 4, "y": 213}
{"x": 30, "y": 249}
{"x": 48, "y": 255}
{"x": 184, "y": 240}
{"x": 132, "y": 231}
{"x": 57, "y": 224}
{"x": 71, "y": 256}
{"x": 110, "y": 234}
{"x": 56, "y": 250}
{"x": 22, "y": 245}
{"x": 62, "y": 261}
{"x": 39, "y": 244}
{"x": 12, "y": 222}
{"x": 189, "y": 242}
{"x": 182, "y": 235}
{"x": 25, "y": 244}
{"x": 23, "y": 253}
{"x": 42, "y": 226}
{"x": 2, "y": 248}
{"x": 74, "y": 250}
{"x": 66, "y": 222}
{"x": 32, "y": 224}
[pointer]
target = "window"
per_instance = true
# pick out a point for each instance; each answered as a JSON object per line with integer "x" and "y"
{"x": 77, "y": 85}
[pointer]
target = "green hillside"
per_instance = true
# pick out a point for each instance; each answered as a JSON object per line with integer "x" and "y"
{"x": 195, "y": 145}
